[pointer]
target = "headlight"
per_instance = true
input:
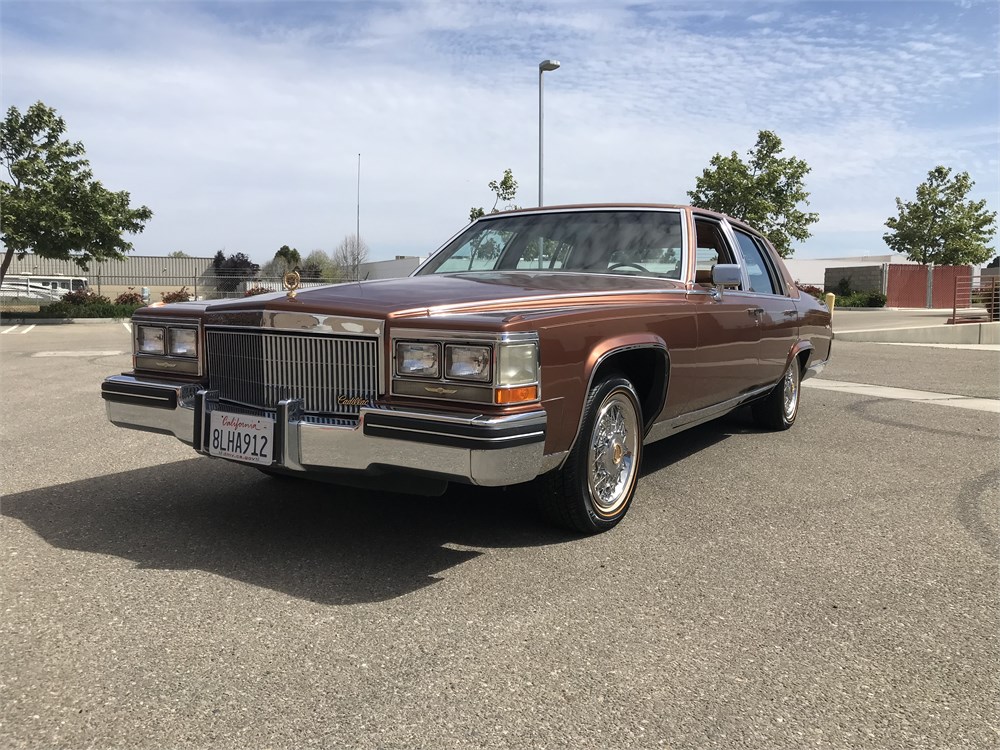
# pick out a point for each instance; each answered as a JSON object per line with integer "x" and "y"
{"x": 467, "y": 362}
{"x": 517, "y": 364}
{"x": 183, "y": 342}
{"x": 418, "y": 360}
{"x": 150, "y": 340}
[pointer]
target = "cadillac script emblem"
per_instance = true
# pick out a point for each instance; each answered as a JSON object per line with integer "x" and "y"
{"x": 292, "y": 282}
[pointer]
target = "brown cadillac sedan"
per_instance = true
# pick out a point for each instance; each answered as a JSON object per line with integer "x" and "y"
{"x": 541, "y": 346}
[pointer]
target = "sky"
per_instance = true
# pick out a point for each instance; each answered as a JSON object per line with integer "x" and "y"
{"x": 240, "y": 124}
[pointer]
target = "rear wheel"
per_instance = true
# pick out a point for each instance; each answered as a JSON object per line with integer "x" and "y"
{"x": 593, "y": 490}
{"x": 779, "y": 409}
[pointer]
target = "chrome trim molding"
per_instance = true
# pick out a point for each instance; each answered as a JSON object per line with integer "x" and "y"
{"x": 305, "y": 445}
{"x": 689, "y": 419}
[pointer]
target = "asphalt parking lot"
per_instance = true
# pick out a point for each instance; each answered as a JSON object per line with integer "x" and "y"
{"x": 832, "y": 586}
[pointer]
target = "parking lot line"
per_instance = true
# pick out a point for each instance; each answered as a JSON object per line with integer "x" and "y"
{"x": 906, "y": 394}
{"x": 10, "y": 330}
{"x": 128, "y": 325}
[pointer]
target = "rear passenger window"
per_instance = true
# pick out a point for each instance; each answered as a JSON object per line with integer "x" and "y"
{"x": 759, "y": 270}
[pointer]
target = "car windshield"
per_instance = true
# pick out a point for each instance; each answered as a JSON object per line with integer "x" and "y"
{"x": 635, "y": 243}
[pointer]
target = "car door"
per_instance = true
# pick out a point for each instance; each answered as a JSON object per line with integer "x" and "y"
{"x": 777, "y": 317}
{"x": 728, "y": 329}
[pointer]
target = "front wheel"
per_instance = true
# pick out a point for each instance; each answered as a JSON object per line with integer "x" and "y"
{"x": 778, "y": 410}
{"x": 594, "y": 488}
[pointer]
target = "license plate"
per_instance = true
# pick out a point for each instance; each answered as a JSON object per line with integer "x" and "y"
{"x": 241, "y": 437}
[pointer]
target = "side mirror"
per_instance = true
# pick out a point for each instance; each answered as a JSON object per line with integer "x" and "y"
{"x": 726, "y": 274}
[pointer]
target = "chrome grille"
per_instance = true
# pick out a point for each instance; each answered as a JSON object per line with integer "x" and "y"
{"x": 261, "y": 368}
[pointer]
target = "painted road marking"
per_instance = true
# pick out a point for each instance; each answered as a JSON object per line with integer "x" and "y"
{"x": 905, "y": 394}
{"x": 971, "y": 347}
{"x": 13, "y": 329}
{"x": 10, "y": 330}
{"x": 84, "y": 353}
{"x": 128, "y": 325}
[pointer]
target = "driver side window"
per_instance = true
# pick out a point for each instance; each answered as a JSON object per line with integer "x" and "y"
{"x": 712, "y": 249}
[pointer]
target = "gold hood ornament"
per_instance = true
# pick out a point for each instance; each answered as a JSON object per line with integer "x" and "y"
{"x": 292, "y": 281}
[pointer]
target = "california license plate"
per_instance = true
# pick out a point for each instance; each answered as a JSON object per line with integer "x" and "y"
{"x": 241, "y": 437}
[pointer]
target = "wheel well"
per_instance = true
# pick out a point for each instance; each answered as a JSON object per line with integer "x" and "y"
{"x": 803, "y": 358}
{"x": 646, "y": 369}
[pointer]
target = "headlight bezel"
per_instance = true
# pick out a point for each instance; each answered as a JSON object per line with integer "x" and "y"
{"x": 170, "y": 357}
{"x": 486, "y": 382}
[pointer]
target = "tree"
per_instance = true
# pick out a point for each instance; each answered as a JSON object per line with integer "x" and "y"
{"x": 52, "y": 205}
{"x": 318, "y": 266}
{"x": 285, "y": 259}
{"x": 505, "y": 191}
{"x": 232, "y": 270}
{"x": 941, "y": 226}
{"x": 178, "y": 254}
{"x": 764, "y": 191}
{"x": 349, "y": 256}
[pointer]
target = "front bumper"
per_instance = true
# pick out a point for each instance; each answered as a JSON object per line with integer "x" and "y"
{"x": 488, "y": 451}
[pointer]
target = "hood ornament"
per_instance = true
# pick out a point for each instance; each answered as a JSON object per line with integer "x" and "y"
{"x": 291, "y": 281}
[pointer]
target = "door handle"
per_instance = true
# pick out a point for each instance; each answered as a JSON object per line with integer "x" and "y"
{"x": 756, "y": 312}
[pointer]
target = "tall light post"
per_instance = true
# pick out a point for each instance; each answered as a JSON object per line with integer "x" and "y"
{"x": 543, "y": 66}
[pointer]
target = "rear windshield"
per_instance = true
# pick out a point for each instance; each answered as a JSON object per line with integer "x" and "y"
{"x": 630, "y": 243}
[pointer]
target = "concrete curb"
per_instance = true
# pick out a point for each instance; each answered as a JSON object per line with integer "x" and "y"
{"x": 57, "y": 321}
{"x": 961, "y": 333}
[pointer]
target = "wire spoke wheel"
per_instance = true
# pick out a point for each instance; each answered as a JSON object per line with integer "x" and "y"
{"x": 611, "y": 459}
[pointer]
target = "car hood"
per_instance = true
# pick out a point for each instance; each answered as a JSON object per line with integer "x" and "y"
{"x": 417, "y": 296}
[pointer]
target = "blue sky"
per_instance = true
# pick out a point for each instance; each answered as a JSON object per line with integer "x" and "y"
{"x": 240, "y": 124}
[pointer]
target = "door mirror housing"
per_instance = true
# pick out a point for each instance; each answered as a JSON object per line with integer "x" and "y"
{"x": 727, "y": 275}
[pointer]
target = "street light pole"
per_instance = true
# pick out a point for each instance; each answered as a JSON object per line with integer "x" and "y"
{"x": 543, "y": 66}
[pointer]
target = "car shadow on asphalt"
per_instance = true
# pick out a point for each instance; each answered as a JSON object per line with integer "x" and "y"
{"x": 321, "y": 542}
{"x": 325, "y": 543}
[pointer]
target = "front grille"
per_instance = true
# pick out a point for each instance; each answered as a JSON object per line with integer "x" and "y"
{"x": 260, "y": 368}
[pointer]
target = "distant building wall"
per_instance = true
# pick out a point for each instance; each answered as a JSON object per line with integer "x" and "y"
{"x": 112, "y": 277}
{"x": 390, "y": 269}
{"x": 856, "y": 278}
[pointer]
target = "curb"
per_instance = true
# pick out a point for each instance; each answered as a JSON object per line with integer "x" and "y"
{"x": 58, "y": 321}
{"x": 964, "y": 333}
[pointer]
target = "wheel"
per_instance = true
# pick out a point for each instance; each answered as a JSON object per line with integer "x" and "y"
{"x": 593, "y": 490}
{"x": 778, "y": 410}
{"x": 616, "y": 266}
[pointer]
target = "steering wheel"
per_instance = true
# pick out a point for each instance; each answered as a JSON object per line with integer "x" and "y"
{"x": 627, "y": 265}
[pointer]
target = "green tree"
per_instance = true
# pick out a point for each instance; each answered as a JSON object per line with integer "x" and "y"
{"x": 941, "y": 226}
{"x": 765, "y": 191}
{"x": 505, "y": 190}
{"x": 285, "y": 259}
{"x": 232, "y": 270}
{"x": 178, "y": 254}
{"x": 290, "y": 255}
{"x": 318, "y": 266}
{"x": 52, "y": 205}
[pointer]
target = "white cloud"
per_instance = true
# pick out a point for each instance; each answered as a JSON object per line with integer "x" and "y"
{"x": 241, "y": 125}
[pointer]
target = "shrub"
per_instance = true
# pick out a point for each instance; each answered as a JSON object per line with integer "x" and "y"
{"x": 181, "y": 295}
{"x": 255, "y": 290}
{"x": 96, "y": 310}
{"x": 131, "y": 297}
{"x": 85, "y": 297}
{"x": 815, "y": 291}
{"x": 862, "y": 299}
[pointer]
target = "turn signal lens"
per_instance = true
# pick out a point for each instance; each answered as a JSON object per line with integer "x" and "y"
{"x": 517, "y": 395}
{"x": 518, "y": 364}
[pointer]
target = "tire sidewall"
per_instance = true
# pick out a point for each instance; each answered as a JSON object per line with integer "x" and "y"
{"x": 598, "y": 395}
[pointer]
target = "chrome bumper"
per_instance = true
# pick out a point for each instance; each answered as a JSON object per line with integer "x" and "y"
{"x": 488, "y": 451}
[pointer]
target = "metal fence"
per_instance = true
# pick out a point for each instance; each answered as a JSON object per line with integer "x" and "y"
{"x": 976, "y": 300}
